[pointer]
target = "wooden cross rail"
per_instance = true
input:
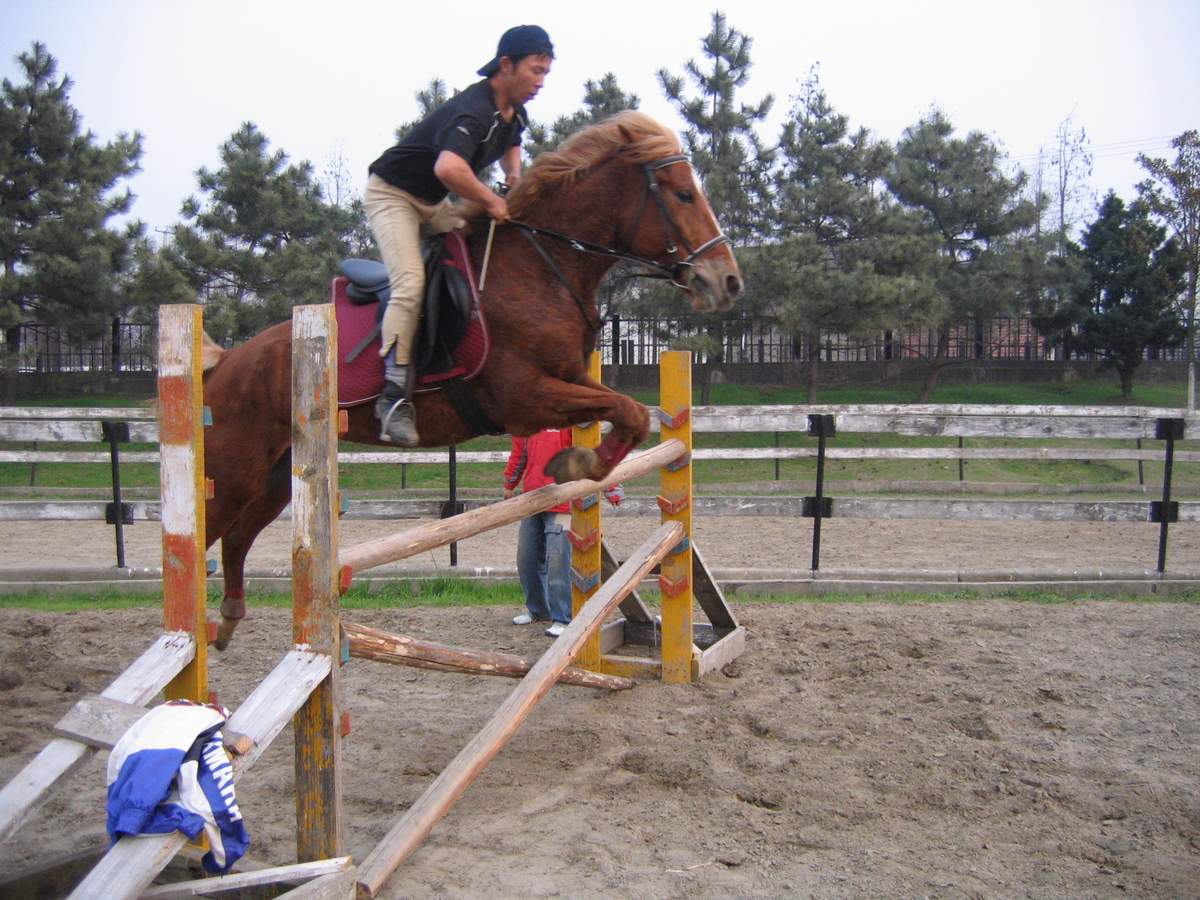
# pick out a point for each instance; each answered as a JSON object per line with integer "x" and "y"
{"x": 400, "y": 649}
{"x": 404, "y": 544}
{"x": 414, "y": 826}
{"x": 235, "y": 885}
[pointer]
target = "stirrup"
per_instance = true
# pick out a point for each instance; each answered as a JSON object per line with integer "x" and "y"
{"x": 399, "y": 415}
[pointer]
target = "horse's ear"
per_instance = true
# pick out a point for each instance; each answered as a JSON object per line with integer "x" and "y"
{"x": 210, "y": 352}
{"x": 626, "y": 134}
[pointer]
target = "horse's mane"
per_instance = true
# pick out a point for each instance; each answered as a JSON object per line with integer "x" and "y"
{"x": 633, "y": 134}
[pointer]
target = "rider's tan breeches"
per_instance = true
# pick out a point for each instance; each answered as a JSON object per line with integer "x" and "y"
{"x": 398, "y": 220}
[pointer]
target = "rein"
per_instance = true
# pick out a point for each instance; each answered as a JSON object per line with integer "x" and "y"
{"x": 655, "y": 269}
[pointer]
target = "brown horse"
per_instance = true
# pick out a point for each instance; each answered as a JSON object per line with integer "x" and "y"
{"x": 618, "y": 190}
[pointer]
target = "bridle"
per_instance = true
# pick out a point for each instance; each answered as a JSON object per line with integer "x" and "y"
{"x": 672, "y": 269}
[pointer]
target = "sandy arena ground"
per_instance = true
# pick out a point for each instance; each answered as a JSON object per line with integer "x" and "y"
{"x": 981, "y": 749}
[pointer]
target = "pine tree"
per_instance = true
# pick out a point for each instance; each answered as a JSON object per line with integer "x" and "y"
{"x": 1133, "y": 279}
{"x": 260, "y": 238}
{"x": 58, "y": 191}
{"x": 1173, "y": 194}
{"x": 428, "y": 99}
{"x": 839, "y": 236}
{"x": 720, "y": 137}
{"x": 733, "y": 166}
{"x": 975, "y": 214}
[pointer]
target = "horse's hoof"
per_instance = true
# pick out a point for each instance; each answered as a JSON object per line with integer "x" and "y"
{"x": 572, "y": 464}
{"x": 224, "y": 633}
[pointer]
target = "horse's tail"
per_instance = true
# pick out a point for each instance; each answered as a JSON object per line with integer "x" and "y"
{"x": 210, "y": 352}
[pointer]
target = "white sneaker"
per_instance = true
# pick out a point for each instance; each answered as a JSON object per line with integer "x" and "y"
{"x": 556, "y": 629}
{"x": 523, "y": 619}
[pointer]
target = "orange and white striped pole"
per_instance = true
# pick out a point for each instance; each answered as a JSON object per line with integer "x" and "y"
{"x": 183, "y": 488}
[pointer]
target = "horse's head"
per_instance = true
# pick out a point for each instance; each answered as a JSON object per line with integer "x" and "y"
{"x": 663, "y": 219}
{"x": 679, "y": 231}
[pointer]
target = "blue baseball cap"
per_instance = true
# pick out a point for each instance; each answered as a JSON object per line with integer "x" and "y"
{"x": 520, "y": 40}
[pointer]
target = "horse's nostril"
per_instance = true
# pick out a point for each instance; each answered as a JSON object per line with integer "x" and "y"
{"x": 733, "y": 285}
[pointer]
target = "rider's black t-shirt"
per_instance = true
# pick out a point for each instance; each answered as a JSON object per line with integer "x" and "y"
{"x": 468, "y": 124}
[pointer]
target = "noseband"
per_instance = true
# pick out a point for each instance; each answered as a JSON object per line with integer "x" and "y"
{"x": 672, "y": 269}
{"x": 671, "y": 233}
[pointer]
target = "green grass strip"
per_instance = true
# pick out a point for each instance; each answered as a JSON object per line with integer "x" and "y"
{"x": 454, "y": 592}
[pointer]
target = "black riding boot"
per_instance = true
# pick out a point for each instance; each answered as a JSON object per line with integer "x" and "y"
{"x": 394, "y": 409}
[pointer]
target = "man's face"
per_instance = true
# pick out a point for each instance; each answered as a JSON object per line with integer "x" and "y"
{"x": 525, "y": 79}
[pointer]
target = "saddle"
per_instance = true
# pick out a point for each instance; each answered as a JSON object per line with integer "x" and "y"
{"x": 451, "y": 343}
{"x": 446, "y": 309}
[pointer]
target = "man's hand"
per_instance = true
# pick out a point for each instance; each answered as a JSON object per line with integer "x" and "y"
{"x": 497, "y": 208}
{"x": 509, "y": 493}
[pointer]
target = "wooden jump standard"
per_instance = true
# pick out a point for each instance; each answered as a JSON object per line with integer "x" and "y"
{"x": 176, "y": 663}
{"x": 311, "y": 436}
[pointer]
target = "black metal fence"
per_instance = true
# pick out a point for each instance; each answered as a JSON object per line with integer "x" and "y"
{"x": 639, "y": 342}
{"x": 125, "y": 347}
{"x": 130, "y": 347}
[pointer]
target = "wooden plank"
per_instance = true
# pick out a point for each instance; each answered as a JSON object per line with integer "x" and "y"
{"x": 631, "y": 666}
{"x": 723, "y": 652}
{"x": 632, "y": 607}
{"x": 413, "y": 827}
{"x": 132, "y": 863}
{"x": 225, "y": 884}
{"x": 339, "y": 886}
{"x": 182, "y": 488}
{"x": 456, "y": 528}
{"x": 941, "y": 409}
{"x": 72, "y": 510}
{"x": 1042, "y": 511}
{"x": 781, "y": 506}
{"x": 777, "y": 505}
{"x": 273, "y": 703}
{"x": 138, "y": 684}
{"x": 433, "y": 457}
{"x": 98, "y": 721}
{"x": 1005, "y": 426}
{"x": 101, "y": 722}
{"x": 75, "y": 456}
{"x": 717, "y": 453}
{"x": 133, "y": 413}
{"x": 612, "y": 635}
{"x": 124, "y": 413}
{"x": 996, "y": 421}
{"x": 66, "y": 432}
{"x": 400, "y": 649}
{"x": 316, "y": 610}
{"x": 709, "y": 594}
{"x": 1053, "y": 453}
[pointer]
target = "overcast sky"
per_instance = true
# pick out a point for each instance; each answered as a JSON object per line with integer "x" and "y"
{"x": 316, "y": 76}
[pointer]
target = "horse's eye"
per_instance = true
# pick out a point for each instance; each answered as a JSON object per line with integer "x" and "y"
{"x": 686, "y": 196}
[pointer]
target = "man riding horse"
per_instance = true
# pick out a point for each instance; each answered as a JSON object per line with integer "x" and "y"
{"x": 409, "y": 184}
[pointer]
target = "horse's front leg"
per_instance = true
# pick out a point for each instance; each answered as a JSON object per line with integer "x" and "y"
{"x": 591, "y": 401}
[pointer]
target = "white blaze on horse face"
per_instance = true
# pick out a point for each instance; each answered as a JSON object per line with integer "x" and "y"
{"x": 710, "y": 276}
